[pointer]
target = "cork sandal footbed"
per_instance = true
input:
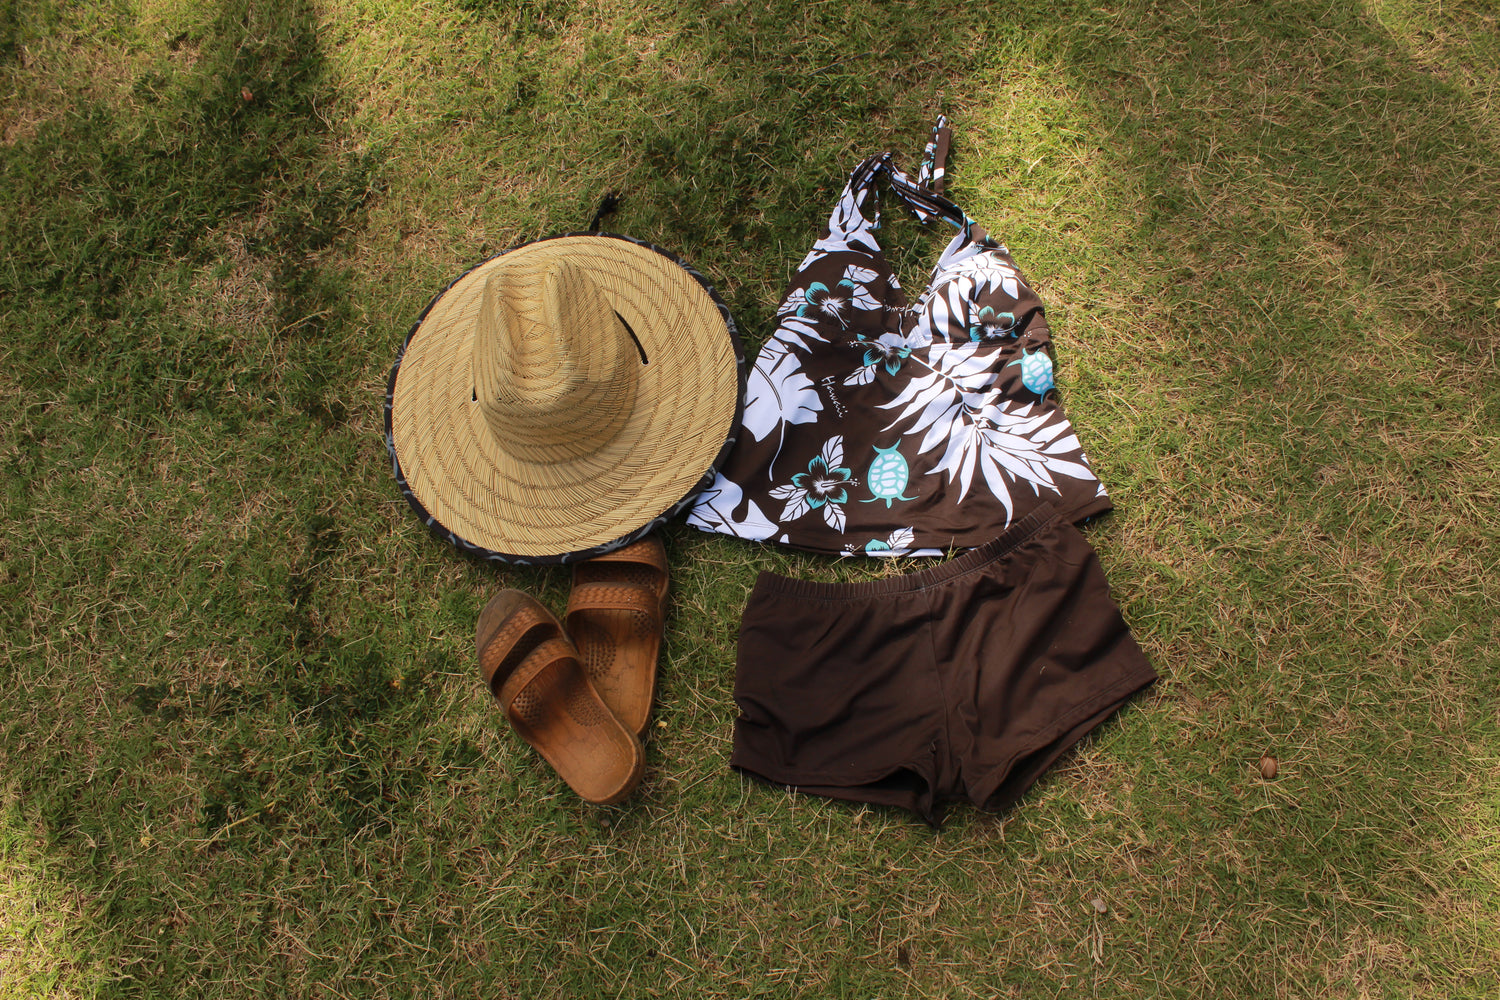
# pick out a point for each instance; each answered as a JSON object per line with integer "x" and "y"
{"x": 532, "y": 669}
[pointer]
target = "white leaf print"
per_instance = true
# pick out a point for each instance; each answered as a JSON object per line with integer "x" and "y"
{"x": 795, "y": 509}
{"x": 863, "y": 375}
{"x": 797, "y": 332}
{"x": 848, "y": 229}
{"x": 901, "y": 538}
{"x": 947, "y": 405}
{"x": 789, "y": 305}
{"x": 848, "y": 215}
{"x": 714, "y": 511}
{"x": 1070, "y": 469}
{"x": 958, "y": 250}
{"x": 939, "y": 418}
{"x": 862, "y": 242}
{"x": 937, "y": 316}
{"x": 1021, "y": 422}
{"x": 998, "y": 487}
{"x": 958, "y": 310}
{"x": 958, "y": 375}
{"x": 833, "y": 452}
{"x": 987, "y": 270}
{"x": 859, "y": 275}
{"x": 833, "y": 514}
{"x": 1068, "y": 442}
{"x": 1005, "y": 458}
{"x": 778, "y": 392}
{"x": 862, "y": 298}
{"x": 783, "y": 492}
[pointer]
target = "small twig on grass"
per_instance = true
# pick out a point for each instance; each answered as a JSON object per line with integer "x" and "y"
{"x": 204, "y": 843}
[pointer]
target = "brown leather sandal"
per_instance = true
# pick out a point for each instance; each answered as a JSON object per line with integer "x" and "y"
{"x": 614, "y": 616}
{"x": 532, "y": 669}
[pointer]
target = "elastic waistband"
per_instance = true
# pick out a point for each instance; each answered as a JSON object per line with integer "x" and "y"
{"x": 969, "y": 562}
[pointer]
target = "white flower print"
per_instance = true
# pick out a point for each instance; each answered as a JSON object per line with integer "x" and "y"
{"x": 990, "y": 323}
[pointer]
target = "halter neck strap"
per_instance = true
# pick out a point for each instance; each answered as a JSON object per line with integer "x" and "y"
{"x": 923, "y": 196}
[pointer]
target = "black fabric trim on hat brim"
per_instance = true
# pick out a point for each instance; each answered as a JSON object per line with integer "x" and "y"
{"x": 489, "y": 555}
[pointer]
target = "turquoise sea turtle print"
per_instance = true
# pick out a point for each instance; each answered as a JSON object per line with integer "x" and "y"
{"x": 887, "y": 476}
{"x": 1036, "y": 371}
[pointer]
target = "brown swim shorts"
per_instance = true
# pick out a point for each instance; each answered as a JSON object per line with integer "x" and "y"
{"x": 966, "y": 680}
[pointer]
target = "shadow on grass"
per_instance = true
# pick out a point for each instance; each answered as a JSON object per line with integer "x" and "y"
{"x": 222, "y": 169}
{"x": 173, "y": 279}
{"x": 183, "y": 332}
{"x": 282, "y": 818}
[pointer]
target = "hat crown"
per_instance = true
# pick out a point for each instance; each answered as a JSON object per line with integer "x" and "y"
{"x": 555, "y": 367}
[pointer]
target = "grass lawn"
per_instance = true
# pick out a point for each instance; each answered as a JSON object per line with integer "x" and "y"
{"x": 244, "y": 750}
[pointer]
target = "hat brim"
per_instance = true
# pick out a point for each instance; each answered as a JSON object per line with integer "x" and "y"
{"x": 460, "y": 477}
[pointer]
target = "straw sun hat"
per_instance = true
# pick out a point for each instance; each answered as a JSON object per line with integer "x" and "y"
{"x": 564, "y": 398}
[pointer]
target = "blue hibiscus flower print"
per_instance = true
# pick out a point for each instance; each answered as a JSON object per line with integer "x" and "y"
{"x": 889, "y": 350}
{"x": 833, "y": 301}
{"x": 825, "y": 486}
{"x": 989, "y": 324}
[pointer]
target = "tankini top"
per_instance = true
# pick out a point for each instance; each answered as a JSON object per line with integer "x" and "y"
{"x": 877, "y": 426}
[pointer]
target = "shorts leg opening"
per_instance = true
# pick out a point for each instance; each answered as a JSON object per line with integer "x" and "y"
{"x": 1032, "y": 764}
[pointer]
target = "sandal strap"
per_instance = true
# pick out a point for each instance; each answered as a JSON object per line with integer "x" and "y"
{"x": 516, "y": 631}
{"x": 606, "y": 595}
{"x": 646, "y": 552}
{"x": 547, "y": 653}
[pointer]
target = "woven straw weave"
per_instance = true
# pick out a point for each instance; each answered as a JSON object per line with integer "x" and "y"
{"x": 522, "y": 416}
